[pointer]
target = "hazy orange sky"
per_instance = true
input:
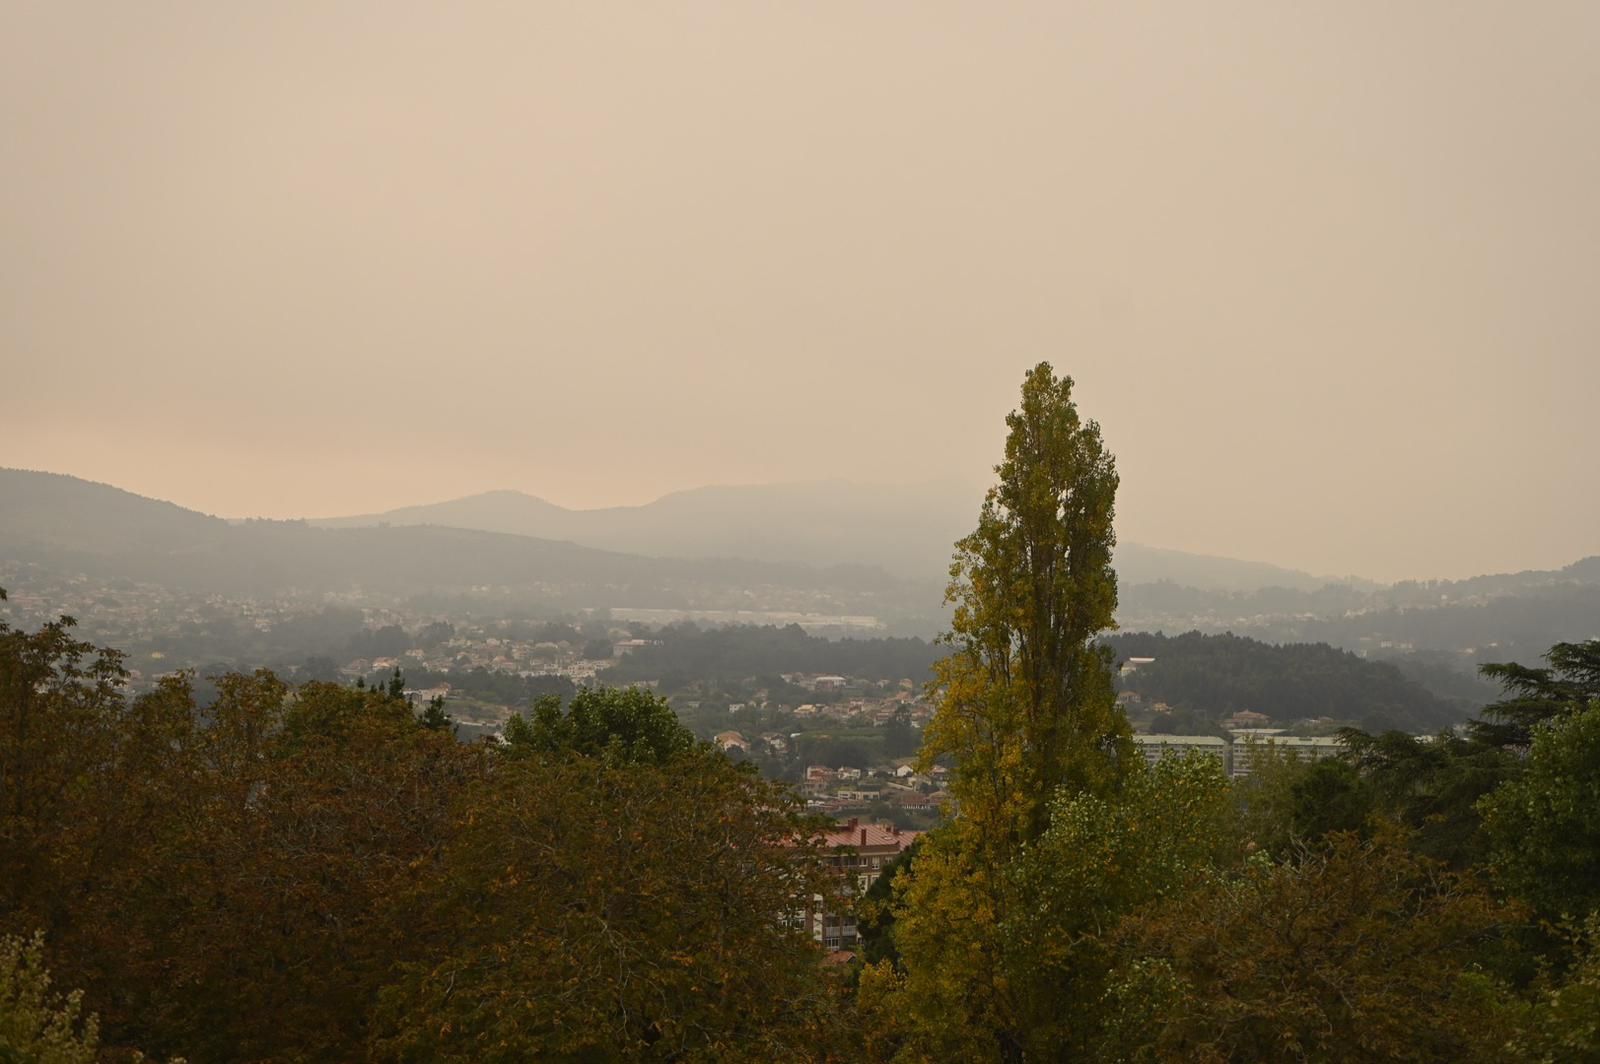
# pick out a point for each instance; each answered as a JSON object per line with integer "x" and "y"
{"x": 1328, "y": 274}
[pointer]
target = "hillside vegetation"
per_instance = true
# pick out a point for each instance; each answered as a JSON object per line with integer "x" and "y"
{"x": 1217, "y": 675}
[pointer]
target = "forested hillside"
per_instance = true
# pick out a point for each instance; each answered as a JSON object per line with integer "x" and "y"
{"x": 746, "y": 651}
{"x": 1216, "y": 675}
{"x": 1477, "y": 619}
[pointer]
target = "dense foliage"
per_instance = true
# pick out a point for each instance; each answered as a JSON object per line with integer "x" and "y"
{"x": 315, "y": 873}
{"x": 37, "y": 1024}
{"x": 686, "y": 650}
{"x": 1217, "y": 675}
{"x": 1349, "y": 952}
{"x": 1416, "y": 900}
{"x": 1543, "y": 824}
{"x": 597, "y": 908}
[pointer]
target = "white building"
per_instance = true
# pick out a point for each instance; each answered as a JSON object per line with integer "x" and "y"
{"x": 1155, "y": 747}
{"x": 1247, "y": 748}
{"x": 1132, "y": 665}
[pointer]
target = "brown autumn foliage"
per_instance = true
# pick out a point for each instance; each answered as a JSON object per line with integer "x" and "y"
{"x": 588, "y": 907}
{"x": 277, "y": 884}
{"x": 1351, "y": 951}
{"x": 245, "y": 882}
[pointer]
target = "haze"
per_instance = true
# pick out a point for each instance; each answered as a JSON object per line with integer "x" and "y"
{"x": 1325, "y": 273}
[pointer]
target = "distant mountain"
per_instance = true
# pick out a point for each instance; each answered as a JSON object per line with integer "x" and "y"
{"x": 1495, "y": 617}
{"x": 908, "y": 530}
{"x": 76, "y": 525}
{"x": 1138, "y": 564}
{"x": 855, "y": 550}
{"x": 81, "y": 515}
{"x": 1480, "y": 588}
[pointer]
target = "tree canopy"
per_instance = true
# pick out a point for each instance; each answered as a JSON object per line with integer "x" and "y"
{"x": 621, "y": 724}
{"x": 318, "y": 872}
{"x": 1569, "y": 681}
{"x": 1027, "y": 702}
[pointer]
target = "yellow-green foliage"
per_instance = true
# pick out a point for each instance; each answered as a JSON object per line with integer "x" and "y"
{"x": 36, "y": 1025}
{"x": 991, "y": 952}
{"x": 1026, "y": 710}
{"x": 1026, "y": 699}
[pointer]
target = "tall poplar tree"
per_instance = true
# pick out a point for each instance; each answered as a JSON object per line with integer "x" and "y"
{"x": 1026, "y": 712}
{"x": 1027, "y": 700}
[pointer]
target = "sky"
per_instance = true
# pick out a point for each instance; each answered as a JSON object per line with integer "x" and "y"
{"x": 1327, "y": 274}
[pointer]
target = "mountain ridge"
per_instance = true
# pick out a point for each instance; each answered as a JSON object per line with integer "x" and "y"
{"x": 70, "y": 525}
{"x": 908, "y": 530}
{"x": 68, "y": 522}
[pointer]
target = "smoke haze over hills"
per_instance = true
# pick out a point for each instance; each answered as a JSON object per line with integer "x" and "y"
{"x": 909, "y": 531}
{"x": 1324, "y": 275}
{"x": 823, "y": 550}
{"x": 496, "y": 596}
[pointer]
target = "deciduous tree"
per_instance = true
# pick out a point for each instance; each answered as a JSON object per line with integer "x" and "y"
{"x": 1543, "y": 825}
{"x": 619, "y": 723}
{"x": 1026, "y": 710}
{"x": 1027, "y": 702}
{"x": 591, "y": 908}
{"x": 1356, "y": 951}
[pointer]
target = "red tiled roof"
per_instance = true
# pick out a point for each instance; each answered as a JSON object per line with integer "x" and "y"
{"x": 869, "y": 835}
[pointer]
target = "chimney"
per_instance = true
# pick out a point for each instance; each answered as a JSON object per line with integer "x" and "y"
{"x": 863, "y": 837}
{"x": 852, "y": 824}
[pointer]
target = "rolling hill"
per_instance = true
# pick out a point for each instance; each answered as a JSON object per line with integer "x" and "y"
{"x": 907, "y": 530}
{"x": 77, "y": 525}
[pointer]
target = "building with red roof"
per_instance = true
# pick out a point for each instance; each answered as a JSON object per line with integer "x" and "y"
{"x": 859, "y": 853}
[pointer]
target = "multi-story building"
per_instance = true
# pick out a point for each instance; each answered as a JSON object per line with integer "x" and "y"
{"x": 1248, "y": 749}
{"x": 859, "y": 853}
{"x": 1239, "y": 757}
{"x": 1155, "y": 747}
